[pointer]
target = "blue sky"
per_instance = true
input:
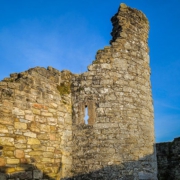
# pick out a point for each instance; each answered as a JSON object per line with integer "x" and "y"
{"x": 66, "y": 34}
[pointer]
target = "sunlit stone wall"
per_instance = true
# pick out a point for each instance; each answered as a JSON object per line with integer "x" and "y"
{"x": 118, "y": 140}
{"x": 35, "y": 124}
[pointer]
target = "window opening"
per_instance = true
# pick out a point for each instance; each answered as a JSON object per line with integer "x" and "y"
{"x": 86, "y": 117}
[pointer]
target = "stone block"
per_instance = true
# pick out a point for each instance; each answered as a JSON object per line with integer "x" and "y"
{"x": 18, "y": 112}
{"x": 44, "y": 127}
{"x": 6, "y": 120}
{"x": 8, "y": 153}
{"x": 66, "y": 159}
{"x": 2, "y": 161}
{"x": 68, "y": 118}
{"x": 19, "y": 125}
{"x": 10, "y": 170}
{"x": 106, "y": 125}
{"x": 20, "y": 139}
{"x": 34, "y": 126}
{"x": 52, "y": 110}
{"x": 53, "y": 105}
{"x": 40, "y": 106}
{"x": 30, "y": 134}
{"x": 12, "y": 161}
{"x": 6, "y": 141}
{"x": 48, "y": 154}
{"x": 38, "y": 147}
{"x": 19, "y": 153}
{"x": 50, "y": 149}
{"x": 20, "y": 146}
{"x": 48, "y": 160}
{"x": 33, "y": 141}
{"x": 35, "y": 153}
{"x": 52, "y": 137}
{"x": 105, "y": 66}
{"x": 36, "y": 111}
{"x": 8, "y": 148}
{"x": 52, "y": 121}
{"x": 46, "y": 114}
{"x": 3, "y": 129}
{"x": 44, "y": 136}
{"x": 29, "y": 117}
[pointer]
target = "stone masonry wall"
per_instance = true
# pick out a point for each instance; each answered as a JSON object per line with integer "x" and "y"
{"x": 118, "y": 141}
{"x": 35, "y": 124}
{"x": 43, "y": 132}
{"x": 168, "y": 158}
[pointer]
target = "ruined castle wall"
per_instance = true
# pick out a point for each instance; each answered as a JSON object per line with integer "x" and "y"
{"x": 168, "y": 159}
{"x": 118, "y": 140}
{"x": 42, "y": 114}
{"x": 35, "y": 125}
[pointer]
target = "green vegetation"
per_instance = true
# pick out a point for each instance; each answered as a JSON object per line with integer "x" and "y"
{"x": 64, "y": 88}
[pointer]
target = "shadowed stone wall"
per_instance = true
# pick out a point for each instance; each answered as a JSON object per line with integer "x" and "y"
{"x": 42, "y": 114}
{"x": 168, "y": 159}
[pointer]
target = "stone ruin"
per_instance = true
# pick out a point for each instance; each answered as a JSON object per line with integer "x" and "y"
{"x": 44, "y": 133}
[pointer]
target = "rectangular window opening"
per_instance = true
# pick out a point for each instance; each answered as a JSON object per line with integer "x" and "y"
{"x": 86, "y": 117}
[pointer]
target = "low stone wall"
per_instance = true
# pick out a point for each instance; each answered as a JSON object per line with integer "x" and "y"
{"x": 168, "y": 159}
{"x": 35, "y": 124}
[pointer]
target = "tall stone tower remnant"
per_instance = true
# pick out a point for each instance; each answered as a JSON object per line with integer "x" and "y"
{"x": 94, "y": 125}
{"x": 119, "y": 138}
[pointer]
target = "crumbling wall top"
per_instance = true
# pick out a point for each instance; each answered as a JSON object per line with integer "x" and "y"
{"x": 127, "y": 20}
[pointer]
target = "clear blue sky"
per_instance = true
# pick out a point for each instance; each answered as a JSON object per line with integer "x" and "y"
{"x": 66, "y": 34}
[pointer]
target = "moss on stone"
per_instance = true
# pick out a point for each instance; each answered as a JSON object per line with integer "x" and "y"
{"x": 64, "y": 88}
